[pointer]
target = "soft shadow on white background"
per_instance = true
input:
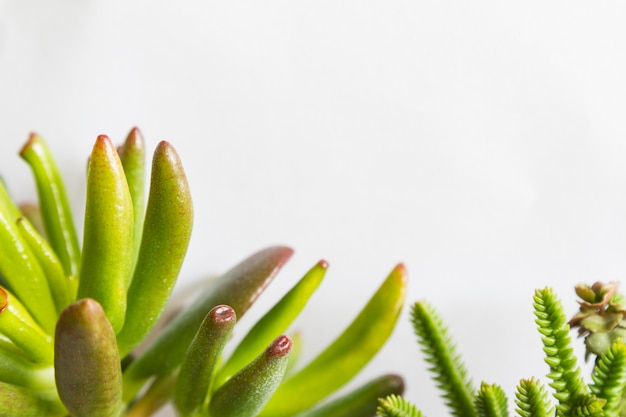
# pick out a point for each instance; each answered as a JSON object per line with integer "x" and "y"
{"x": 480, "y": 143}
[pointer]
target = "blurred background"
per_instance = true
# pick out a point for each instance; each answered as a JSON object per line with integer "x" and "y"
{"x": 481, "y": 143}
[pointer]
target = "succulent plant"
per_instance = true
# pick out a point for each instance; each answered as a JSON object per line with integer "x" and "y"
{"x": 601, "y": 323}
{"x": 73, "y": 314}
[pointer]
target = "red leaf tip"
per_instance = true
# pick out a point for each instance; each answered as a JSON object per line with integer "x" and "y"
{"x": 281, "y": 346}
{"x": 223, "y": 314}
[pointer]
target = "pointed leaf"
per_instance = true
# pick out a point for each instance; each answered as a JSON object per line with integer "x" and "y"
{"x": 245, "y": 394}
{"x": 108, "y": 242}
{"x": 166, "y": 234}
{"x": 87, "y": 363}
{"x": 275, "y": 322}
{"x": 350, "y": 352}
{"x": 57, "y": 216}
{"x": 238, "y": 288}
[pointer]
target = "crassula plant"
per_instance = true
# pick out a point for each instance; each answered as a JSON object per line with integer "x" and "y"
{"x": 601, "y": 320}
{"x": 72, "y": 314}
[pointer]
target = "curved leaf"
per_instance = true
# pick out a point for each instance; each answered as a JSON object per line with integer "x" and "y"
{"x": 55, "y": 208}
{"x": 352, "y": 350}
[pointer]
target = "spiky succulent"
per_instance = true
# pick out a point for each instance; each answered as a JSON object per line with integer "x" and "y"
{"x": 73, "y": 313}
{"x": 601, "y": 313}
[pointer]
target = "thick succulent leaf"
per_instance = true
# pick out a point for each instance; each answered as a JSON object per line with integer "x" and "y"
{"x": 58, "y": 282}
{"x": 238, "y": 288}
{"x": 17, "y": 369}
{"x": 133, "y": 156}
{"x": 87, "y": 364}
{"x": 275, "y": 322}
{"x": 361, "y": 402}
{"x": 21, "y": 402}
{"x": 345, "y": 357}
{"x": 108, "y": 242}
{"x": 6, "y": 203}
{"x": 17, "y": 325}
{"x": 56, "y": 213}
{"x": 20, "y": 269}
{"x": 245, "y": 394}
{"x": 166, "y": 234}
{"x": 203, "y": 355}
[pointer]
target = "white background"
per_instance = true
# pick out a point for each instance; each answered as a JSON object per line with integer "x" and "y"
{"x": 481, "y": 143}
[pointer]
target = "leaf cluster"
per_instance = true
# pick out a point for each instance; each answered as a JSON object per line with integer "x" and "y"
{"x": 72, "y": 313}
{"x": 571, "y": 395}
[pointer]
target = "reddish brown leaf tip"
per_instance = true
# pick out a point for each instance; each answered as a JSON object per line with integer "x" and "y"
{"x": 223, "y": 314}
{"x": 323, "y": 264}
{"x": 281, "y": 346}
{"x": 29, "y": 142}
{"x": 401, "y": 268}
{"x": 4, "y": 300}
{"x": 395, "y": 383}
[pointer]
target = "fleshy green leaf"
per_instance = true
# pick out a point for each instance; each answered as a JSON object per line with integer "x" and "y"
{"x": 275, "y": 322}
{"x": 345, "y": 357}
{"x": 108, "y": 242}
{"x": 133, "y": 156}
{"x": 58, "y": 282}
{"x": 18, "y": 326}
{"x": 202, "y": 357}
{"x": 17, "y": 369}
{"x": 87, "y": 363}
{"x": 245, "y": 394}
{"x": 55, "y": 209}
{"x": 238, "y": 288}
{"x": 21, "y": 270}
{"x": 363, "y": 401}
{"x": 166, "y": 234}
{"x": 22, "y": 402}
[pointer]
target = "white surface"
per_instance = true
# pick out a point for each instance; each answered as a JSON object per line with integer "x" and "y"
{"x": 481, "y": 143}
